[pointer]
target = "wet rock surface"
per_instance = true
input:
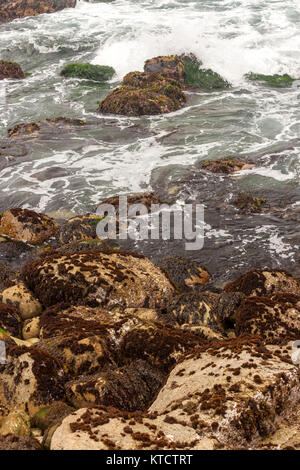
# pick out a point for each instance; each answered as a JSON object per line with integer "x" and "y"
{"x": 10, "y": 320}
{"x": 10, "y": 69}
{"x": 12, "y": 9}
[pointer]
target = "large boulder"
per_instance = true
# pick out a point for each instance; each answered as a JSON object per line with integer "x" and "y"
{"x": 10, "y": 69}
{"x": 30, "y": 379}
{"x": 234, "y": 390}
{"x": 275, "y": 319}
{"x": 144, "y": 94}
{"x": 12, "y": 9}
{"x": 101, "y": 428}
{"x": 264, "y": 282}
{"x": 98, "y": 278}
{"x": 26, "y": 225}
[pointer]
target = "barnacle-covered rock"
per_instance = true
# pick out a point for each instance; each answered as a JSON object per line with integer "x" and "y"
{"x": 30, "y": 379}
{"x": 12, "y": 9}
{"x": 234, "y": 390}
{"x": 129, "y": 388}
{"x": 51, "y": 126}
{"x": 99, "y": 278}
{"x": 10, "y": 69}
{"x": 264, "y": 282}
{"x": 10, "y": 320}
{"x": 184, "y": 272}
{"x": 19, "y": 296}
{"x": 104, "y": 428}
{"x": 144, "y": 93}
{"x": 275, "y": 319}
{"x": 26, "y": 225}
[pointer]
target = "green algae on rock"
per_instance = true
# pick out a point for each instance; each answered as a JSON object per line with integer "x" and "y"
{"x": 144, "y": 94}
{"x": 98, "y": 73}
{"x": 10, "y": 69}
{"x": 12, "y": 9}
{"x": 197, "y": 76}
{"x": 277, "y": 81}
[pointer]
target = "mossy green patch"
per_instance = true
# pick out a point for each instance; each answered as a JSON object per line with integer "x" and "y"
{"x": 98, "y": 73}
{"x": 278, "y": 81}
{"x": 207, "y": 79}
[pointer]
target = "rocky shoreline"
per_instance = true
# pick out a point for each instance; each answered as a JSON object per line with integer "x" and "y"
{"x": 109, "y": 349}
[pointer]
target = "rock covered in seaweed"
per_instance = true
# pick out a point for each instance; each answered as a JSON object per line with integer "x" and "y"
{"x": 98, "y": 73}
{"x": 12, "y": 9}
{"x": 128, "y": 388}
{"x": 233, "y": 390}
{"x": 226, "y": 165}
{"x": 277, "y": 81}
{"x": 184, "y": 272}
{"x": 44, "y": 128}
{"x": 195, "y": 75}
{"x": 26, "y": 225}
{"x": 10, "y": 320}
{"x": 264, "y": 283}
{"x": 275, "y": 319}
{"x": 30, "y": 379}
{"x": 144, "y": 94}
{"x": 10, "y": 69}
{"x": 99, "y": 278}
{"x": 168, "y": 66}
{"x": 15, "y": 442}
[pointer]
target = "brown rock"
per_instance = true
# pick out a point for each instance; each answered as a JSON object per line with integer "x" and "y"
{"x": 264, "y": 282}
{"x": 168, "y": 66}
{"x": 56, "y": 125}
{"x": 26, "y": 225}
{"x": 10, "y": 69}
{"x": 10, "y": 320}
{"x": 15, "y": 442}
{"x": 226, "y": 165}
{"x": 184, "y": 272}
{"x": 12, "y": 9}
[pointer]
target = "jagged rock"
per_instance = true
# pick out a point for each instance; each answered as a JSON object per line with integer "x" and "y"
{"x": 249, "y": 204}
{"x": 10, "y": 69}
{"x": 184, "y": 272}
{"x": 98, "y": 73}
{"x": 31, "y": 328}
{"x": 226, "y": 165}
{"x": 233, "y": 390}
{"x": 264, "y": 282}
{"x": 12, "y": 9}
{"x": 51, "y": 415}
{"x": 14, "y": 442}
{"x": 275, "y": 319}
{"x": 103, "y": 278}
{"x": 144, "y": 94}
{"x": 10, "y": 320}
{"x": 52, "y": 126}
{"x": 101, "y": 428}
{"x": 129, "y": 388}
{"x": 16, "y": 422}
{"x": 26, "y": 225}
{"x": 30, "y": 379}
{"x": 19, "y": 296}
{"x": 168, "y": 66}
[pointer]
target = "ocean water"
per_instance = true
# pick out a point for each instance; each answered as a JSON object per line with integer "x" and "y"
{"x": 119, "y": 155}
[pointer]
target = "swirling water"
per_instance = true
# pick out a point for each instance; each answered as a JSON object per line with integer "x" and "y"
{"x": 118, "y": 155}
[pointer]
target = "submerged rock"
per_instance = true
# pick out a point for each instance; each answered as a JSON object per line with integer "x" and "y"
{"x": 98, "y": 73}
{"x": 233, "y": 390}
{"x": 99, "y": 278}
{"x": 27, "y": 226}
{"x": 12, "y": 9}
{"x": 226, "y": 165}
{"x": 56, "y": 125}
{"x": 264, "y": 283}
{"x": 30, "y": 379}
{"x": 10, "y": 320}
{"x": 275, "y": 319}
{"x": 129, "y": 388}
{"x": 249, "y": 204}
{"x": 144, "y": 94}
{"x": 10, "y": 69}
{"x": 277, "y": 81}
